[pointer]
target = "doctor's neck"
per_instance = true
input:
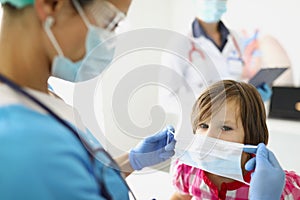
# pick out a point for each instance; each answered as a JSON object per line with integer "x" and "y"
{"x": 212, "y": 30}
{"x": 22, "y": 54}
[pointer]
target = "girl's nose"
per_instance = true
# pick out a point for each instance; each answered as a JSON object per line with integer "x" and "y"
{"x": 212, "y": 132}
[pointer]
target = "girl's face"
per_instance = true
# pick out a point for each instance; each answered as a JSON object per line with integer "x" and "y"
{"x": 225, "y": 125}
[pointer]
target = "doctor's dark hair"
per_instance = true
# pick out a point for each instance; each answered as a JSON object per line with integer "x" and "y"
{"x": 249, "y": 106}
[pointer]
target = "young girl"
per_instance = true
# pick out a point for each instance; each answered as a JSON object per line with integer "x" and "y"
{"x": 235, "y": 111}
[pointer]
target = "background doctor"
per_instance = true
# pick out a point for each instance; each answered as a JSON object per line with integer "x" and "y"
{"x": 234, "y": 56}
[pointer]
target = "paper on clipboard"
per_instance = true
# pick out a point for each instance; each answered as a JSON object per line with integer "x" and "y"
{"x": 266, "y": 75}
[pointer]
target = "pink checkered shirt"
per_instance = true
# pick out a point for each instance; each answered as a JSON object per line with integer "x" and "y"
{"x": 194, "y": 182}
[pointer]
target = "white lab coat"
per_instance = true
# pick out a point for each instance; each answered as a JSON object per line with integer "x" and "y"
{"x": 196, "y": 74}
{"x": 228, "y": 62}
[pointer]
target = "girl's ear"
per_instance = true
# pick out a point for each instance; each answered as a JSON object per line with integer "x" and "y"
{"x": 46, "y": 8}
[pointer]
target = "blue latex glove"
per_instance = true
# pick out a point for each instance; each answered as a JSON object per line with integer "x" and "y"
{"x": 265, "y": 92}
{"x": 153, "y": 150}
{"x": 268, "y": 179}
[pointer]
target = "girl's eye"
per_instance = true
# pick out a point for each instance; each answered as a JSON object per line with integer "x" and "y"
{"x": 226, "y": 128}
{"x": 203, "y": 125}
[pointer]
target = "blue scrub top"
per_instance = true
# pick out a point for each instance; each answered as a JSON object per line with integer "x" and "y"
{"x": 42, "y": 160}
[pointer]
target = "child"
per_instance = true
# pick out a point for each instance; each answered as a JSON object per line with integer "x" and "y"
{"x": 235, "y": 111}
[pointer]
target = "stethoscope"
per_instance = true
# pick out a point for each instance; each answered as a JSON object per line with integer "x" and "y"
{"x": 237, "y": 47}
{"x": 89, "y": 149}
{"x": 193, "y": 50}
{"x": 198, "y": 51}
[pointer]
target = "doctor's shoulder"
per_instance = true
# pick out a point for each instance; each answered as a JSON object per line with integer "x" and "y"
{"x": 41, "y": 159}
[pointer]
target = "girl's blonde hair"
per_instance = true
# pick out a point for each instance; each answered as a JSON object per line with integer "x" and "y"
{"x": 249, "y": 105}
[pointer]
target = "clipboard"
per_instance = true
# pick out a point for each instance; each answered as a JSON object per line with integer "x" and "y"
{"x": 266, "y": 75}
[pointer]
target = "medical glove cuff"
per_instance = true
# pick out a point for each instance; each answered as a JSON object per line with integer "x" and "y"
{"x": 153, "y": 149}
{"x": 268, "y": 172}
{"x": 265, "y": 92}
{"x": 134, "y": 161}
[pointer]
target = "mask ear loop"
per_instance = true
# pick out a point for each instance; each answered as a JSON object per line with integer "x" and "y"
{"x": 47, "y": 27}
{"x": 81, "y": 13}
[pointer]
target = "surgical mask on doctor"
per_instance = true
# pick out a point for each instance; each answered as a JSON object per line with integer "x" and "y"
{"x": 98, "y": 55}
{"x": 210, "y": 11}
{"x": 213, "y": 155}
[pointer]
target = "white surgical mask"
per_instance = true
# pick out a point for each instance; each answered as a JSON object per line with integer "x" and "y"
{"x": 98, "y": 57}
{"x": 210, "y": 11}
{"x": 213, "y": 155}
{"x": 99, "y": 53}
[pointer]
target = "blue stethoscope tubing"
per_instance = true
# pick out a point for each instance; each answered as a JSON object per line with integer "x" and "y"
{"x": 89, "y": 150}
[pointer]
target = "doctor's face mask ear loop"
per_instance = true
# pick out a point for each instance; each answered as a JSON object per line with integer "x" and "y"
{"x": 47, "y": 27}
{"x": 100, "y": 46}
{"x": 64, "y": 68}
{"x": 92, "y": 152}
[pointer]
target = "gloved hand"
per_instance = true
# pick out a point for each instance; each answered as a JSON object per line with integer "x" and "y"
{"x": 265, "y": 92}
{"x": 268, "y": 179}
{"x": 153, "y": 150}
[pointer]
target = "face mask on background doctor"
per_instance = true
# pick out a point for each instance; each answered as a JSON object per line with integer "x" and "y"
{"x": 101, "y": 18}
{"x": 210, "y": 11}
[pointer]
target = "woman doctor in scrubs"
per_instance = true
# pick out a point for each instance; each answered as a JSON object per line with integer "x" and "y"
{"x": 44, "y": 154}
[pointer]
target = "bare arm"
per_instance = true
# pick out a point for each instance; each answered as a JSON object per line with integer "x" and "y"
{"x": 124, "y": 164}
